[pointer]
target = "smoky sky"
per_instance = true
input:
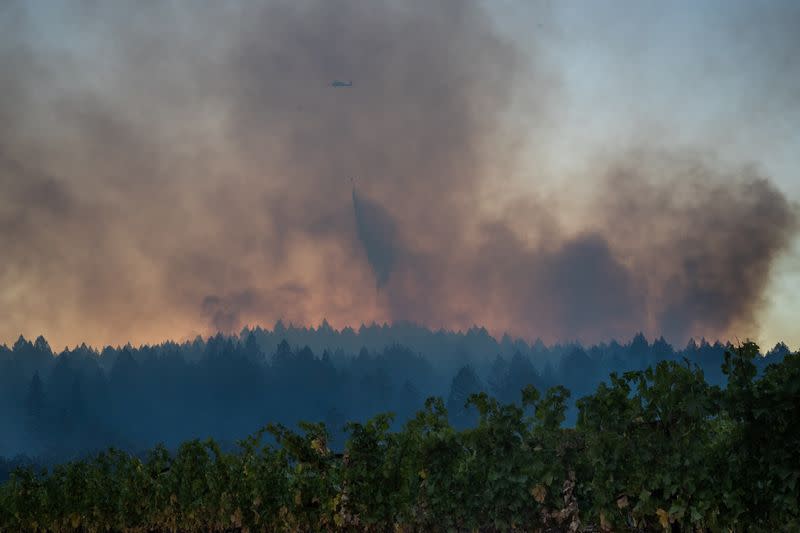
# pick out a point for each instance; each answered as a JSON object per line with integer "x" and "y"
{"x": 377, "y": 233}
{"x": 185, "y": 167}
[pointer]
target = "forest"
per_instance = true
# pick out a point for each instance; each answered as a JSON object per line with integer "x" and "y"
{"x": 60, "y": 406}
{"x": 658, "y": 449}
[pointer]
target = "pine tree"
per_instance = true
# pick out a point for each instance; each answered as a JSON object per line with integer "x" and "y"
{"x": 34, "y": 407}
{"x": 465, "y": 384}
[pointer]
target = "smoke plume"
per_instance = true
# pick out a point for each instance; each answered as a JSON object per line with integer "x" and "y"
{"x": 183, "y": 167}
{"x": 378, "y": 235}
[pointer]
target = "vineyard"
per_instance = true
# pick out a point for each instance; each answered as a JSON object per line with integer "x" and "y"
{"x": 652, "y": 450}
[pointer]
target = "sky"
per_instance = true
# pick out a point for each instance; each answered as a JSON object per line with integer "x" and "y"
{"x": 712, "y": 75}
{"x": 561, "y": 170}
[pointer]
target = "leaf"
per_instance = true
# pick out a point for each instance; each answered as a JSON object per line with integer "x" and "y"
{"x": 539, "y": 492}
{"x": 663, "y": 517}
{"x": 605, "y": 525}
{"x": 677, "y": 511}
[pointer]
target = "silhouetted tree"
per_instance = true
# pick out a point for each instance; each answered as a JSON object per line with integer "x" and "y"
{"x": 464, "y": 384}
{"x": 34, "y": 407}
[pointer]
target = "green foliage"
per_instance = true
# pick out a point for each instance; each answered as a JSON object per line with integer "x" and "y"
{"x": 764, "y": 432}
{"x": 653, "y": 450}
{"x": 648, "y": 437}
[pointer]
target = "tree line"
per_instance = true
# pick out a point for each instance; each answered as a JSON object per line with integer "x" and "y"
{"x": 59, "y": 406}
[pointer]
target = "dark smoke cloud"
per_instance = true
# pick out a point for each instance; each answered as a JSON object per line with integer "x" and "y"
{"x": 378, "y": 235}
{"x": 184, "y": 167}
{"x": 705, "y": 235}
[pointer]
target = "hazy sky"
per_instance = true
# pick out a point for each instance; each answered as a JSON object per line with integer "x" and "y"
{"x": 568, "y": 170}
{"x": 716, "y": 75}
